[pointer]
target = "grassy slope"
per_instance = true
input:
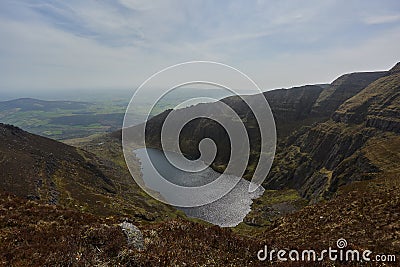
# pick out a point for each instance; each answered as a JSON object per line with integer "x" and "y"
{"x": 52, "y": 172}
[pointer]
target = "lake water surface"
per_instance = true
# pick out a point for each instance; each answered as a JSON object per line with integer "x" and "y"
{"x": 228, "y": 211}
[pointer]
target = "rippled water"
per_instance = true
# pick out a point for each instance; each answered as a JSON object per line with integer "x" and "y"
{"x": 228, "y": 211}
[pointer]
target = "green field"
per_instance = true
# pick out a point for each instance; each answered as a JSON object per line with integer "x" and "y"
{"x": 64, "y": 122}
{"x": 75, "y": 119}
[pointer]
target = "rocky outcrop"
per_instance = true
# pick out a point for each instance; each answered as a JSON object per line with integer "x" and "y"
{"x": 383, "y": 123}
{"x": 133, "y": 235}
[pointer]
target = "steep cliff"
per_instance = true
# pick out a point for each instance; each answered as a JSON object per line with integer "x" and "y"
{"x": 291, "y": 107}
{"x": 318, "y": 160}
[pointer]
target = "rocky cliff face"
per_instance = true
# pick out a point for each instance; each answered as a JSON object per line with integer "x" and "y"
{"x": 320, "y": 159}
{"x": 290, "y": 107}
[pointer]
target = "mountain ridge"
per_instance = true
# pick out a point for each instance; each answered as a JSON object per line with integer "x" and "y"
{"x": 293, "y": 109}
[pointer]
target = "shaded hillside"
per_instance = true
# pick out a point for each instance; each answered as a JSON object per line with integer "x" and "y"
{"x": 291, "y": 107}
{"x": 41, "y": 169}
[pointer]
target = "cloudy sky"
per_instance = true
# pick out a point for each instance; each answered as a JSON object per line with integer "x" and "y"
{"x": 118, "y": 44}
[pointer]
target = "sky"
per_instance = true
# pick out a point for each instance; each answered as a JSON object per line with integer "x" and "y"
{"x": 57, "y": 45}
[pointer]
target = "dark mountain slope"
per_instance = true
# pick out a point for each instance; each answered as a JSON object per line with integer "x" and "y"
{"x": 295, "y": 104}
{"x": 291, "y": 107}
{"x": 46, "y": 170}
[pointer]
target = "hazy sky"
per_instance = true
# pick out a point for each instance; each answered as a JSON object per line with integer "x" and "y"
{"x": 118, "y": 44}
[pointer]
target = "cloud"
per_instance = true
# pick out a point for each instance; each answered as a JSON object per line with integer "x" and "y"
{"x": 141, "y": 5}
{"x": 293, "y": 69}
{"x": 90, "y": 44}
{"x": 382, "y": 19}
{"x": 48, "y": 59}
